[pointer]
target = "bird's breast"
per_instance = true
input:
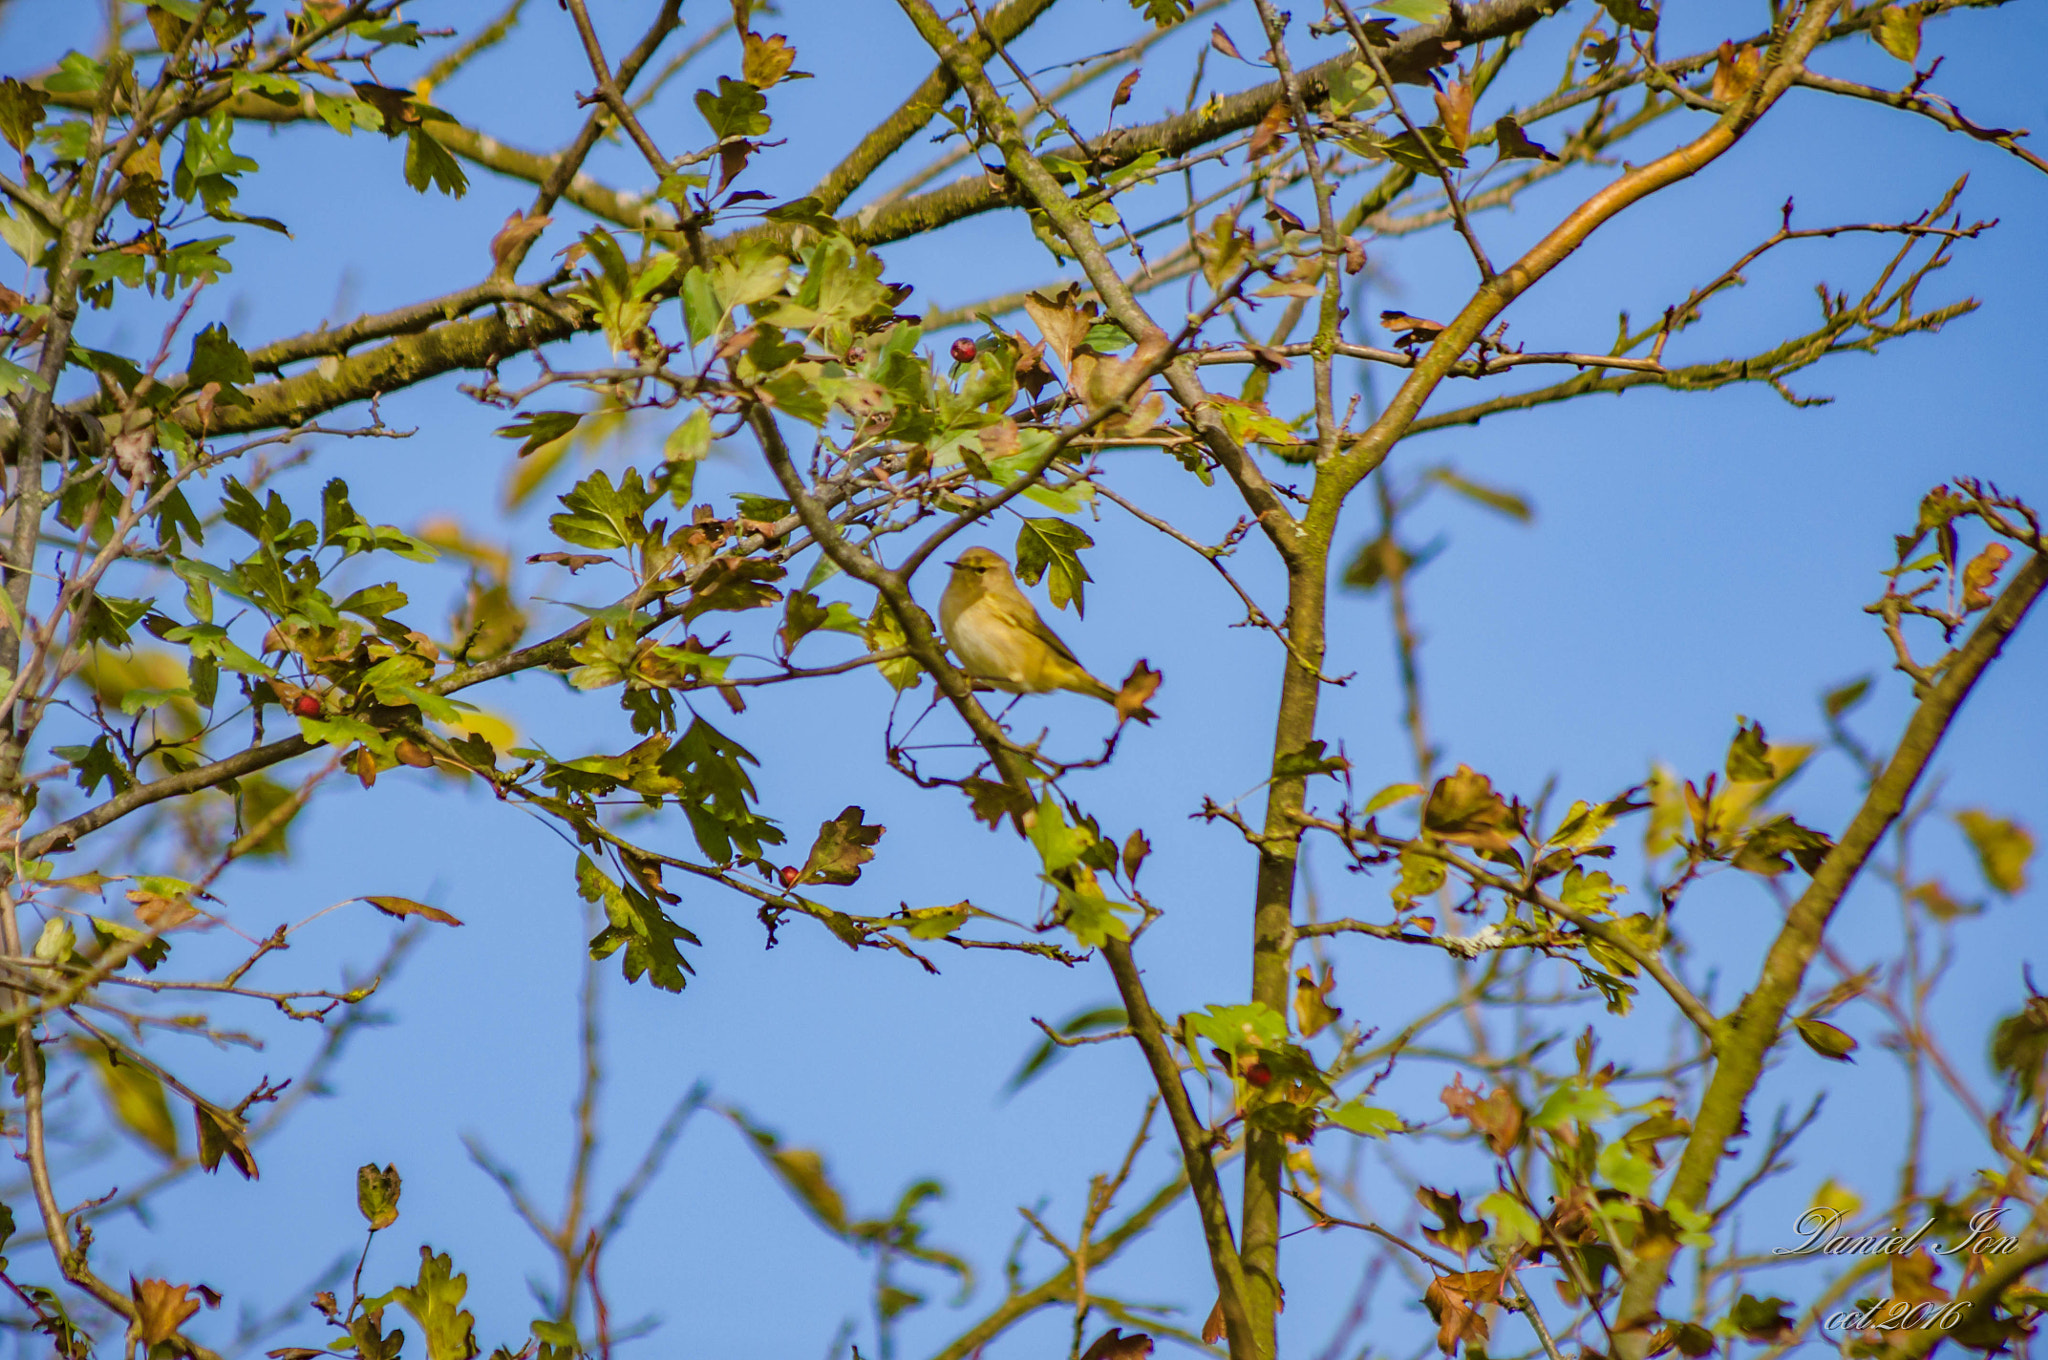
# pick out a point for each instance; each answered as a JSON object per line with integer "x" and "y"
{"x": 993, "y": 648}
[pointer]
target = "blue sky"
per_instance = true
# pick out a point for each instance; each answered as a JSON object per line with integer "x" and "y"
{"x": 1693, "y": 556}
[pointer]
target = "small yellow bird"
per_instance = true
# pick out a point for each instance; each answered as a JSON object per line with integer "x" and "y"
{"x": 1001, "y": 640}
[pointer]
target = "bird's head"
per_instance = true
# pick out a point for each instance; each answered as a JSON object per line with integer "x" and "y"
{"x": 980, "y": 568}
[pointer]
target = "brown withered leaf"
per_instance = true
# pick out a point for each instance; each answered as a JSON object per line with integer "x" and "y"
{"x": 1454, "y": 111}
{"x": 1457, "y": 1303}
{"x": 1124, "y": 88}
{"x": 410, "y": 752}
{"x": 1213, "y": 1330}
{"x": 1114, "y": 1345}
{"x": 1499, "y": 1119}
{"x": 1136, "y": 847}
{"x": 732, "y": 158}
{"x": 1220, "y": 40}
{"x": 161, "y": 1308}
{"x": 1061, "y": 321}
{"x": 1267, "y": 135}
{"x": 1913, "y": 1279}
{"x": 733, "y": 583}
{"x": 1980, "y": 574}
{"x": 1737, "y": 71}
{"x": 1411, "y": 329}
{"x": 1458, "y": 1098}
{"x": 1312, "y": 1008}
{"x": 575, "y": 562}
{"x": 1141, "y": 684}
{"x": 159, "y": 912}
{"x": 1464, "y": 808}
{"x": 1034, "y": 375}
{"x": 403, "y": 907}
{"x": 1354, "y": 254}
{"x": 10, "y": 301}
{"x": 223, "y": 1131}
{"x": 512, "y": 238}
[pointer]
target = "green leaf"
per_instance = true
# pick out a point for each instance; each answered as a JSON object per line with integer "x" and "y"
{"x": 1354, "y": 87}
{"x": 1513, "y": 1223}
{"x": 1421, "y": 11}
{"x": 1762, "y": 1320}
{"x": 737, "y": 110}
{"x": 1053, "y": 545}
{"x": 600, "y": 515}
{"x": 1825, "y": 1039}
{"x": 1310, "y": 760}
{"x": 1089, "y": 1020}
{"x": 1240, "y": 1029}
{"x": 1163, "y": 13}
{"x": 1838, "y": 701}
{"x": 1363, "y": 1119}
{"x": 136, "y": 1097}
{"x": 1763, "y": 851}
{"x": 76, "y": 73}
{"x": 639, "y": 926}
{"x": 435, "y": 1302}
{"x": 1501, "y": 502}
{"x": 843, "y": 845}
{"x": 1059, "y": 845}
{"x": 1091, "y": 917}
{"x": 2003, "y": 848}
{"x": 802, "y": 1173}
{"x": 1897, "y": 30}
{"x": 21, "y": 110}
{"x": 1749, "y": 756}
{"x": 884, "y": 633}
{"x": 217, "y": 358}
{"x": 1575, "y": 1102}
{"x": 429, "y": 165}
{"x": 13, "y": 377}
{"x": 717, "y": 792}
{"x": 537, "y": 428}
{"x": 377, "y": 1190}
{"x": 1632, "y": 13}
{"x": 1514, "y": 144}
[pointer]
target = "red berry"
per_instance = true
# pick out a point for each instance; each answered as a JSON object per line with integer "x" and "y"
{"x": 789, "y": 876}
{"x": 964, "y": 351}
{"x": 306, "y": 706}
{"x": 1258, "y": 1074}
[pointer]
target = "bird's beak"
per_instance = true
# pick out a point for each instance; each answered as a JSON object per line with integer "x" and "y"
{"x": 956, "y": 563}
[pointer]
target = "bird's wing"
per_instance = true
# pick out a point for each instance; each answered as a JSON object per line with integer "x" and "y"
{"x": 1019, "y": 613}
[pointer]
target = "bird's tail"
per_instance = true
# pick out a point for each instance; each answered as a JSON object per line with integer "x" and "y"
{"x": 1084, "y": 683}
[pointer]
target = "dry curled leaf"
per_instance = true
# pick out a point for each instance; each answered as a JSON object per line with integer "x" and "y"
{"x": 160, "y": 1309}
{"x": 517, "y": 233}
{"x": 1267, "y": 135}
{"x": 404, "y": 906}
{"x": 1141, "y": 684}
{"x": 1737, "y": 72}
{"x": 1981, "y": 573}
{"x": 161, "y": 912}
{"x": 1454, "y": 111}
{"x": 1114, "y": 1345}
